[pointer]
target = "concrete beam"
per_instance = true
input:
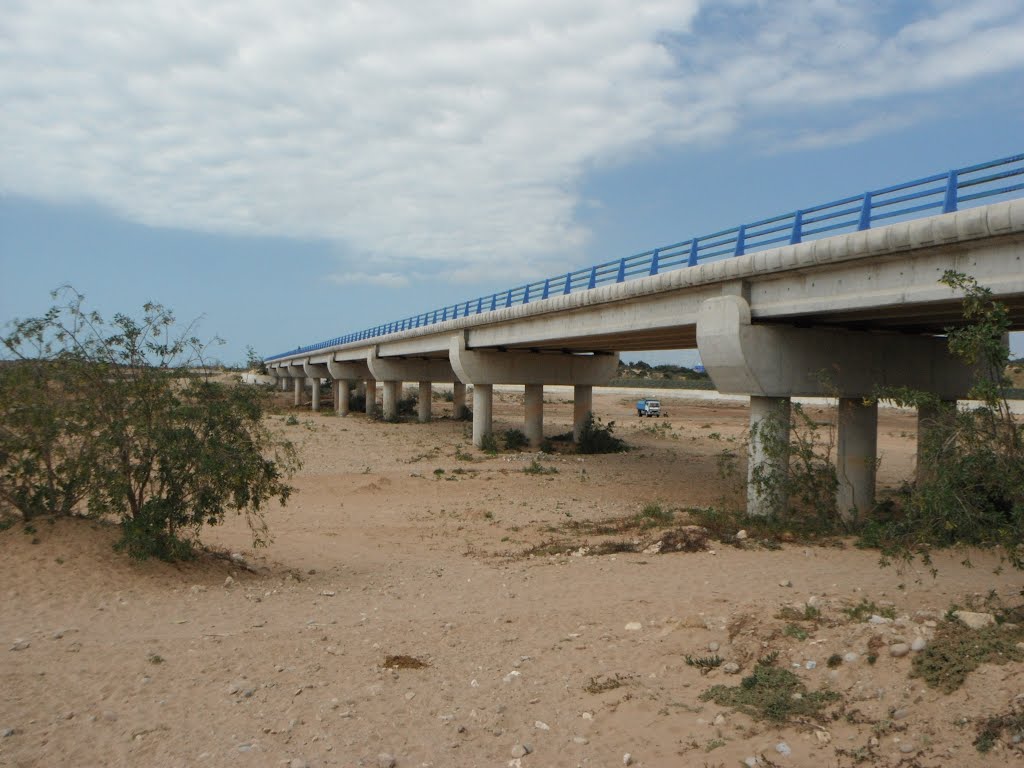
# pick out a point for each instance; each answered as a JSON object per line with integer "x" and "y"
{"x": 349, "y": 370}
{"x": 488, "y": 367}
{"x": 410, "y": 369}
{"x": 785, "y": 361}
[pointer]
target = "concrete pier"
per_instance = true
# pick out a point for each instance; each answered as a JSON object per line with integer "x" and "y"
{"x": 582, "y": 407}
{"x": 533, "y": 405}
{"x": 391, "y": 393}
{"x": 483, "y": 398}
{"x": 856, "y": 457}
{"x": 424, "y": 401}
{"x": 458, "y": 400}
{"x": 768, "y": 455}
{"x": 371, "y": 396}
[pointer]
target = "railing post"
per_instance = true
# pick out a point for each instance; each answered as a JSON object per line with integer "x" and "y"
{"x": 692, "y": 261}
{"x": 865, "y": 213}
{"x": 741, "y": 236}
{"x": 508, "y": 298}
{"x": 494, "y": 302}
{"x": 950, "y": 203}
{"x": 444, "y": 314}
{"x": 654, "y": 262}
{"x": 622, "y": 270}
{"x": 526, "y": 294}
{"x": 593, "y": 278}
{"x": 547, "y": 288}
{"x": 568, "y": 284}
{"x": 480, "y": 305}
{"x": 798, "y": 228}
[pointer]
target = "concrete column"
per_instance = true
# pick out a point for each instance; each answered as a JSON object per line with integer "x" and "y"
{"x": 483, "y": 396}
{"x": 283, "y": 381}
{"x": 927, "y": 418}
{"x": 371, "y": 396}
{"x": 342, "y": 396}
{"x": 458, "y": 400}
{"x": 315, "y": 384}
{"x": 425, "y": 395}
{"x": 856, "y": 456}
{"x": 361, "y": 389}
{"x": 533, "y": 402}
{"x": 582, "y": 406}
{"x": 298, "y": 389}
{"x": 391, "y": 389}
{"x": 768, "y": 455}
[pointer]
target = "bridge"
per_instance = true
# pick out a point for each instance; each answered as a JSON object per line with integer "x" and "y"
{"x": 837, "y": 300}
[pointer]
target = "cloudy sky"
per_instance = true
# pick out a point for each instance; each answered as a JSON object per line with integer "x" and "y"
{"x": 296, "y": 170}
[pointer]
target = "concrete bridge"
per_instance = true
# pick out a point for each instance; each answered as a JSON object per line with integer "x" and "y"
{"x": 838, "y": 316}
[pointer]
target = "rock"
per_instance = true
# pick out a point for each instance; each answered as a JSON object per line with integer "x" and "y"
{"x": 730, "y": 667}
{"x": 580, "y": 740}
{"x": 587, "y": 715}
{"x": 686, "y": 538}
{"x": 627, "y": 759}
{"x": 298, "y": 762}
{"x": 783, "y": 749}
{"x": 850, "y": 657}
{"x": 228, "y": 582}
{"x": 511, "y": 676}
{"x": 906, "y": 749}
{"x": 719, "y": 719}
{"x": 919, "y": 644}
{"x": 822, "y": 737}
{"x": 876, "y": 619}
{"x": 815, "y": 601}
{"x": 900, "y": 714}
{"x": 785, "y": 583}
{"x": 20, "y": 644}
{"x": 541, "y": 726}
{"x": 810, "y": 664}
{"x": 751, "y": 762}
{"x": 741, "y": 535}
{"x": 713, "y": 646}
{"x": 520, "y": 750}
{"x": 898, "y": 650}
{"x": 633, "y": 626}
{"x": 384, "y": 760}
{"x": 6, "y": 733}
{"x": 975, "y": 620}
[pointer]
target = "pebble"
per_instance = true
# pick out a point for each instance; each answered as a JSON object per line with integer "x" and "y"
{"x": 713, "y": 646}
{"x": 741, "y": 535}
{"x": 298, "y": 762}
{"x": 587, "y": 715}
{"x": 898, "y": 650}
{"x": 783, "y": 748}
{"x": 580, "y": 740}
{"x": 785, "y": 583}
{"x": 719, "y": 719}
{"x": 20, "y": 644}
{"x": 850, "y": 657}
{"x": 633, "y": 626}
{"x": 627, "y": 759}
{"x": 730, "y": 667}
{"x": 815, "y": 601}
{"x": 822, "y": 737}
{"x": 384, "y": 760}
{"x": 876, "y": 619}
{"x": 511, "y": 676}
{"x": 906, "y": 749}
{"x": 520, "y": 750}
{"x": 751, "y": 762}
{"x": 900, "y": 714}
{"x": 541, "y": 726}
{"x": 7, "y": 732}
{"x": 810, "y": 664}
{"x": 228, "y": 582}
{"x": 919, "y": 644}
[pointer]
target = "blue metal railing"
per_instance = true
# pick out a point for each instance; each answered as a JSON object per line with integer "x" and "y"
{"x": 941, "y": 193}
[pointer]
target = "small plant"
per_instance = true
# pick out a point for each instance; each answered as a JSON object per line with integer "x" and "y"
{"x": 796, "y": 632}
{"x": 991, "y": 729}
{"x": 768, "y": 694}
{"x": 866, "y": 608}
{"x": 604, "y": 683}
{"x": 597, "y": 437}
{"x": 704, "y": 663}
{"x": 438, "y": 473}
{"x": 462, "y": 455}
{"x": 156, "y": 658}
{"x": 536, "y": 468}
{"x": 401, "y": 661}
{"x": 291, "y": 421}
{"x": 957, "y": 650}
{"x": 653, "y": 515}
{"x": 515, "y": 440}
{"x": 835, "y": 660}
{"x": 489, "y": 444}
{"x": 807, "y": 613}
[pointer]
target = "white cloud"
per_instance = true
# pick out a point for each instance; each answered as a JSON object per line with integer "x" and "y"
{"x": 386, "y": 279}
{"x": 430, "y": 130}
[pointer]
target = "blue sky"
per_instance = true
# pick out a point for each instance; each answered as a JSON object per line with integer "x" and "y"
{"x": 294, "y": 171}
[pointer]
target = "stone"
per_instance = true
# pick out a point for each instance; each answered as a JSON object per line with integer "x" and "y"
{"x": 850, "y": 657}
{"x": 730, "y": 667}
{"x": 822, "y": 737}
{"x": 580, "y": 740}
{"x": 384, "y": 760}
{"x": 627, "y": 759}
{"x": 783, "y": 749}
{"x": 876, "y": 619}
{"x": 785, "y": 583}
{"x": 20, "y": 644}
{"x": 741, "y": 535}
{"x": 900, "y": 714}
{"x": 919, "y": 644}
{"x": 6, "y": 733}
{"x": 810, "y": 664}
{"x": 975, "y": 620}
{"x": 520, "y": 750}
{"x": 815, "y": 601}
{"x": 298, "y": 762}
{"x": 633, "y": 626}
{"x": 899, "y": 650}
{"x": 228, "y": 582}
{"x": 713, "y": 646}
{"x": 906, "y": 749}
{"x": 541, "y": 726}
{"x": 719, "y": 719}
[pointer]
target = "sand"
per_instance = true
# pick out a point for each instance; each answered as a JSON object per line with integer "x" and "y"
{"x": 402, "y": 540}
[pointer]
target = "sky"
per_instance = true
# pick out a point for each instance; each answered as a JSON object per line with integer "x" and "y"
{"x": 293, "y": 171}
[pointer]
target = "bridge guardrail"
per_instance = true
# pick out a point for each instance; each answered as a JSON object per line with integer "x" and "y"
{"x": 940, "y": 193}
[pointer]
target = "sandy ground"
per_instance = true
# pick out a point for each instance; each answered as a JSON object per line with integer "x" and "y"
{"x": 403, "y": 540}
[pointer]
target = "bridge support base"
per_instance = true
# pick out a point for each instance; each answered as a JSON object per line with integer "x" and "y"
{"x": 342, "y": 396}
{"x": 856, "y": 457}
{"x": 458, "y": 400}
{"x": 483, "y": 398}
{"x": 391, "y": 392}
{"x": 582, "y": 407}
{"x": 768, "y": 455}
{"x": 315, "y": 388}
{"x": 425, "y": 395}
{"x": 371, "y": 396}
{"x": 297, "y": 385}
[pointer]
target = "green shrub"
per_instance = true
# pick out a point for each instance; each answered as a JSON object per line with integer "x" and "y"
{"x": 596, "y": 437}
{"x": 515, "y": 440}
{"x": 489, "y": 443}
